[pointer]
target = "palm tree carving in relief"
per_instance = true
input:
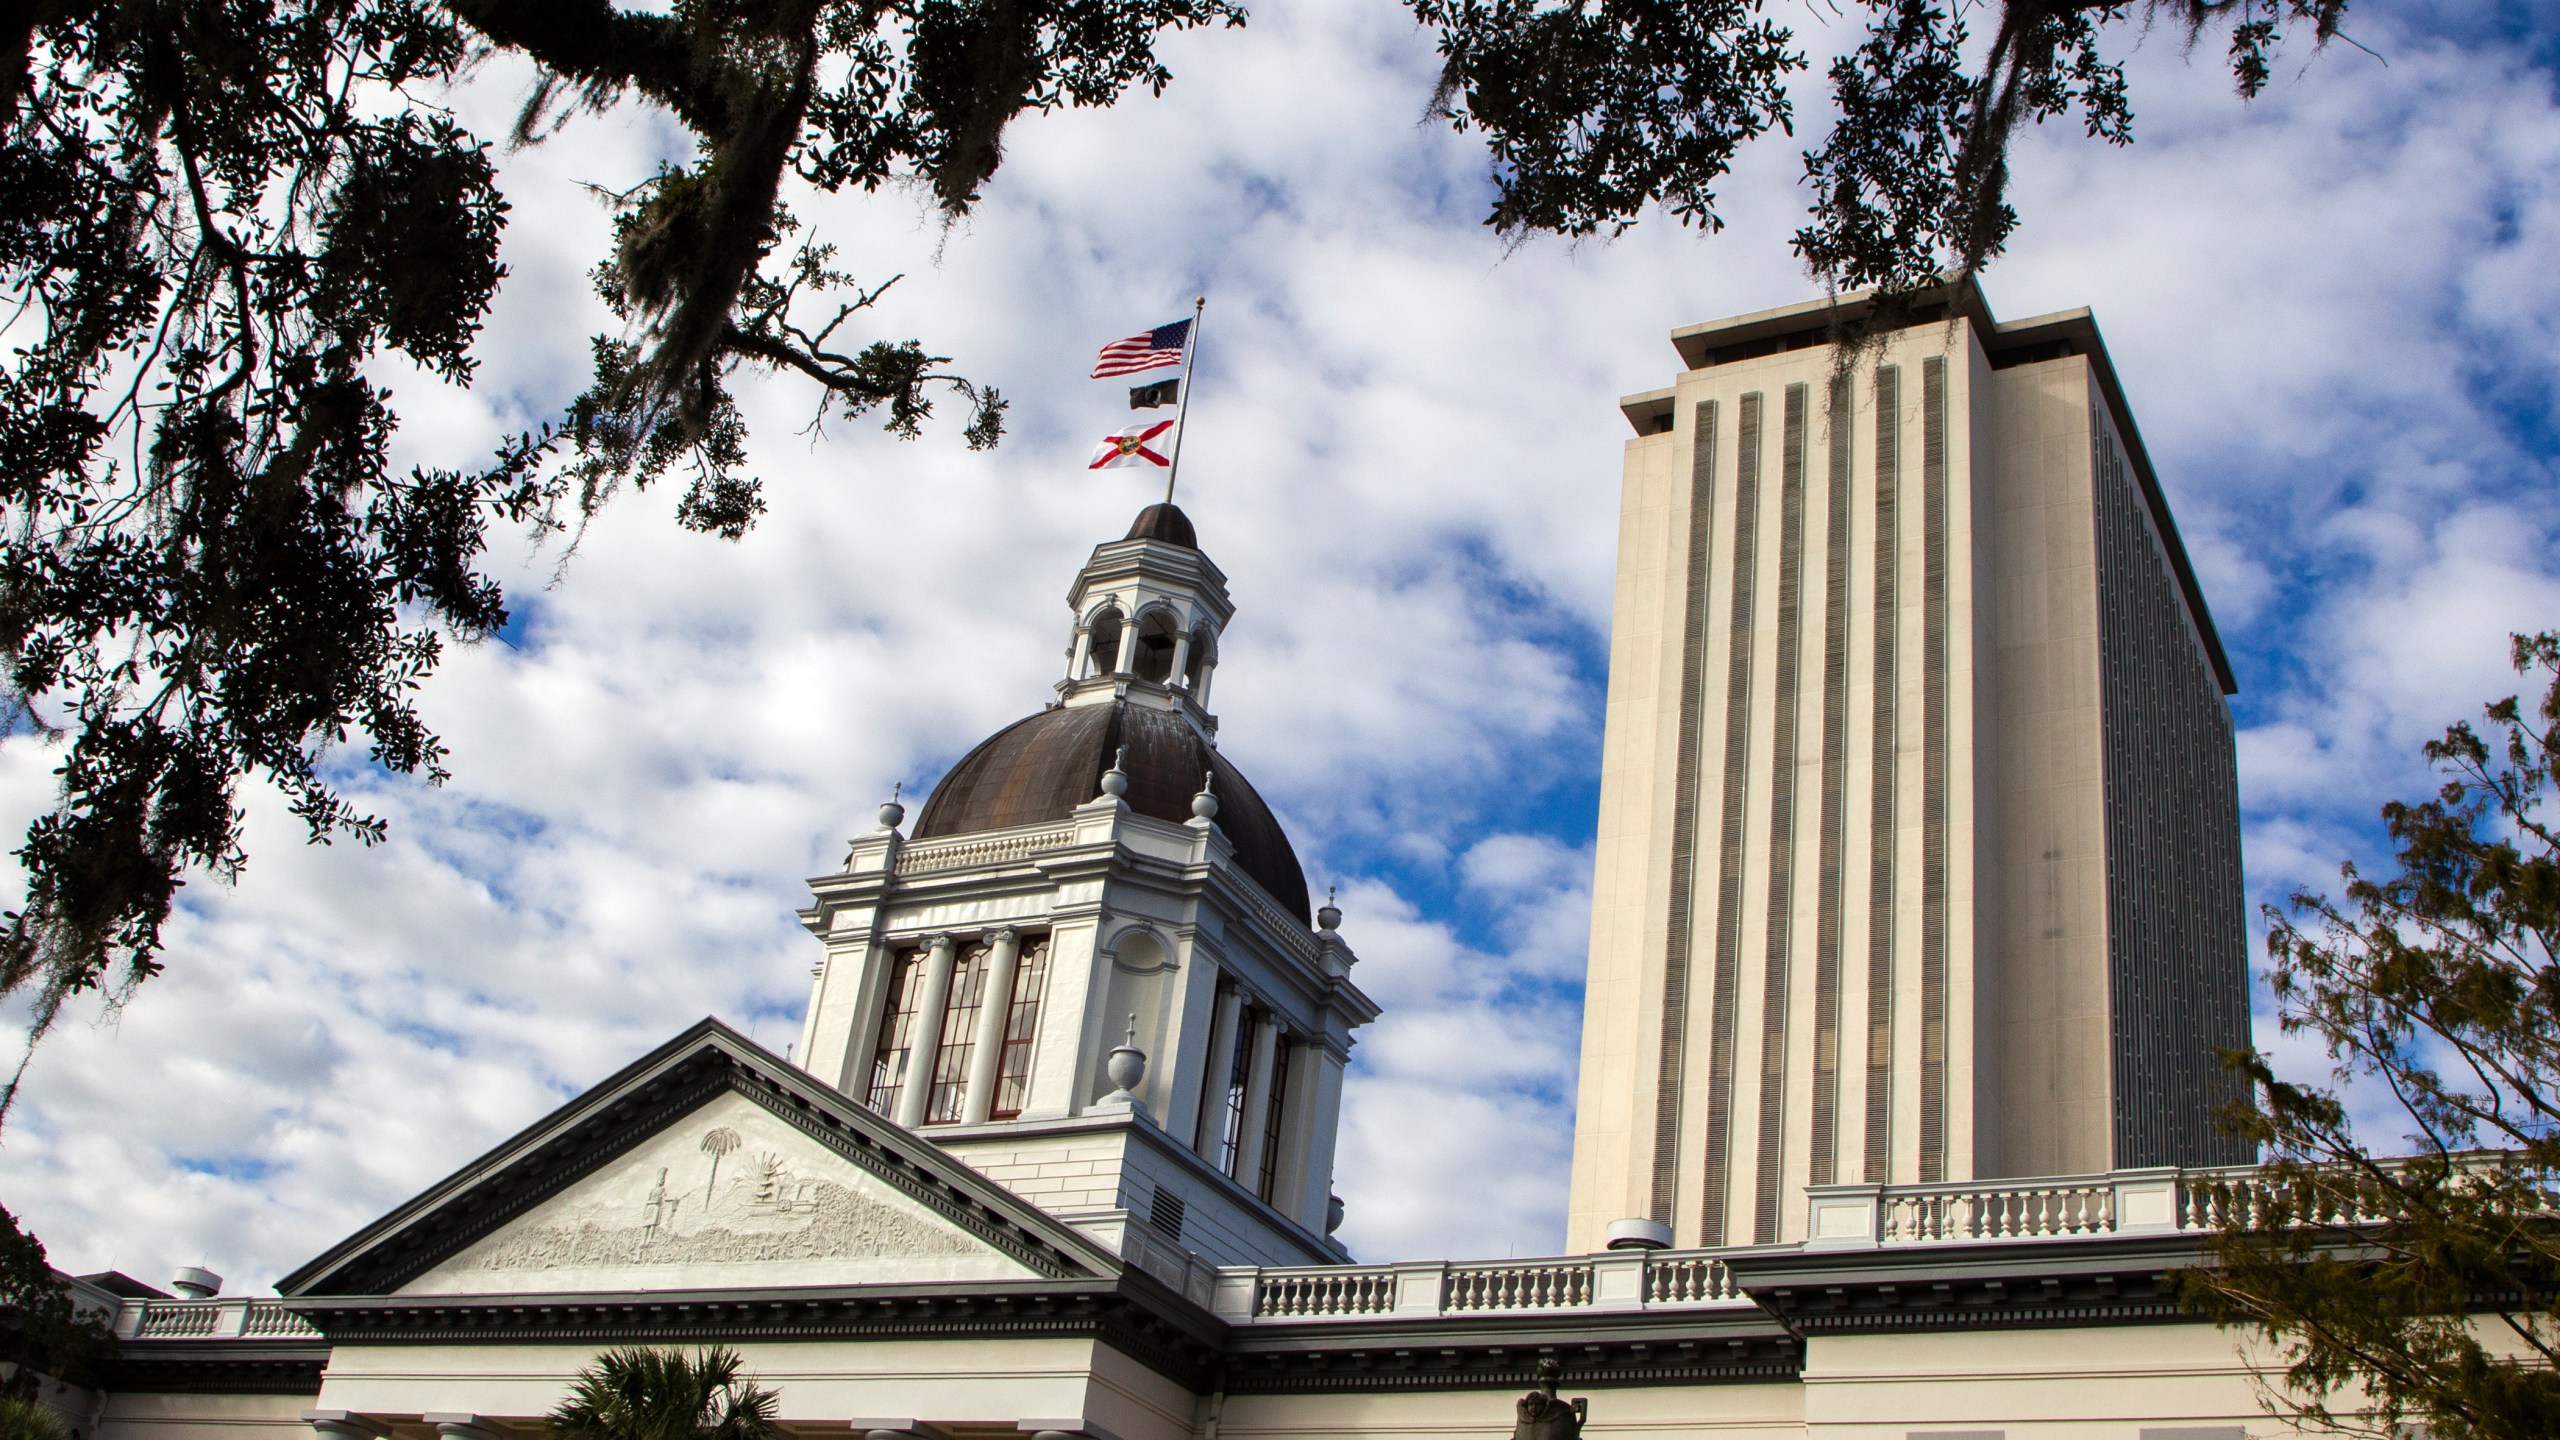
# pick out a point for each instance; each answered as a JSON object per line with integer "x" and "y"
{"x": 719, "y": 1142}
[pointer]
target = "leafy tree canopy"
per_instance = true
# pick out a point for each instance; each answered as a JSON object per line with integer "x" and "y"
{"x": 223, "y": 215}
{"x": 42, "y": 1333}
{"x": 647, "y": 1393}
{"x": 2425, "y": 1287}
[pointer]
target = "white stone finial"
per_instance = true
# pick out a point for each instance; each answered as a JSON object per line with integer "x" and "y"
{"x": 1127, "y": 1068}
{"x": 1329, "y": 918}
{"x": 1115, "y": 781}
{"x": 1204, "y": 806}
{"x": 893, "y": 813}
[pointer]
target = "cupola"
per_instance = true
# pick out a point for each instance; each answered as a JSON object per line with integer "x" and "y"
{"x": 1097, "y": 943}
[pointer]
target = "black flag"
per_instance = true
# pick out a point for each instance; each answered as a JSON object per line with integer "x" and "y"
{"x": 1149, "y": 397}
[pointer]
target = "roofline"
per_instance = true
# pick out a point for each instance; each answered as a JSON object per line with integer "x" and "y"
{"x": 653, "y": 1080}
{"x": 2017, "y": 342}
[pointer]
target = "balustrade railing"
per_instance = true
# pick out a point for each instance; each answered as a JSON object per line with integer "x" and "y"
{"x": 994, "y": 850}
{"x": 1681, "y": 1280}
{"x": 1519, "y": 1287}
{"x": 1311, "y": 1294}
{"x": 222, "y": 1318}
{"x": 1997, "y": 1211}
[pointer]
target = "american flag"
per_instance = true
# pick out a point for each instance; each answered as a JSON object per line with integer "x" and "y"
{"x": 1151, "y": 350}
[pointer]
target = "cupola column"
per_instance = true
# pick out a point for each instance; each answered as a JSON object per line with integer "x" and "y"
{"x": 1208, "y": 671}
{"x": 1083, "y": 652}
{"x": 1181, "y": 661}
{"x": 926, "y": 1041}
{"x": 1128, "y": 662}
{"x": 995, "y": 1008}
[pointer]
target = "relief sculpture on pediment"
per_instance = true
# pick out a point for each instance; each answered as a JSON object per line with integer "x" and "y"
{"x": 763, "y": 1210}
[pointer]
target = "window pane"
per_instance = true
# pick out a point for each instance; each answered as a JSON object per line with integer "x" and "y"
{"x": 1271, "y": 1117}
{"x": 897, "y": 1024}
{"x": 1231, "y": 1137}
{"x": 1013, "y": 1074}
{"x": 959, "y": 1037}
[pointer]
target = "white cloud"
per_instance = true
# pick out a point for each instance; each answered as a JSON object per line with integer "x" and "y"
{"x": 2332, "y": 310}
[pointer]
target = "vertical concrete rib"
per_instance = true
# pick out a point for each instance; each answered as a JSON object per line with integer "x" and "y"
{"x": 1835, "y": 794}
{"x": 1882, "y": 851}
{"x": 1782, "y": 822}
{"x": 1684, "y": 816}
{"x": 1737, "y": 757}
{"x": 1933, "y": 773}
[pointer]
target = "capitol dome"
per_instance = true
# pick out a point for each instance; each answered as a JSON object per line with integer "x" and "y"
{"x": 1041, "y": 768}
{"x": 1149, "y": 607}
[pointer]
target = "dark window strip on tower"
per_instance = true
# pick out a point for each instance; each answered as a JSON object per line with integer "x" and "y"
{"x": 1737, "y": 757}
{"x": 1933, "y": 773}
{"x": 2176, "y": 928}
{"x": 1780, "y": 954}
{"x": 1684, "y": 817}
{"x": 1835, "y": 795}
{"x": 1880, "y": 809}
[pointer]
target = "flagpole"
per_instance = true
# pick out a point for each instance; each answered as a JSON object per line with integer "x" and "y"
{"x": 1182, "y": 407}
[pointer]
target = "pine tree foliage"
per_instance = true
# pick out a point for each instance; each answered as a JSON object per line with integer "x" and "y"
{"x": 652, "y": 1393}
{"x": 2420, "y": 1287}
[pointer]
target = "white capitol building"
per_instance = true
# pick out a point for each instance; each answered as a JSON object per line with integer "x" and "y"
{"x": 1916, "y": 924}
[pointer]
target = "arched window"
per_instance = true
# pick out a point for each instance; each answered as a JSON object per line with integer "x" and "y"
{"x": 1157, "y": 632}
{"x": 1102, "y": 652}
{"x": 1203, "y": 655}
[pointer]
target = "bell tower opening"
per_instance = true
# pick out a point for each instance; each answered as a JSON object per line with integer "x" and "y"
{"x": 1159, "y": 636}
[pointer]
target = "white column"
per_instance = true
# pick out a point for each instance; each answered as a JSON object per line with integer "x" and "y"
{"x": 1324, "y": 1116}
{"x": 1181, "y": 660}
{"x": 1257, "y": 1101}
{"x": 1128, "y": 648}
{"x": 1208, "y": 669}
{"x": 1084, "y": 647}
{"x": 926, "y": 1037}
{"x": 995, "y": 1006}
{"x": 1221, "y": 1067}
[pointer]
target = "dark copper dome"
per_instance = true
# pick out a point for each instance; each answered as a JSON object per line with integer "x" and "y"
{"x": 1038, "y": 769}
{"x": 1166, "y": 522}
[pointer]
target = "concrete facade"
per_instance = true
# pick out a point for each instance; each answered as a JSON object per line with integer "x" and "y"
{"x": 1918, "y": 837}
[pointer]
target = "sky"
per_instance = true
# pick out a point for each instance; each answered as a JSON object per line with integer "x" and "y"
{"x": 2334, "y": 311}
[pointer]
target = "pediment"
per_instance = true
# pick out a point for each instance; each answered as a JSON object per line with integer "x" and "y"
{"x": 708, "y": 1165}
{"x": 728, "y": 1195}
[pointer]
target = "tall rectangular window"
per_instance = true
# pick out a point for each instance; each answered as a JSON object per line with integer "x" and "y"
{"x": 897, "y": 1032}
{"x": 1272, "y": 1114}
{"x": 1022, "y": 1022}
{"x": 959, "y": 1039}
{"x": 1239, "y": 1079}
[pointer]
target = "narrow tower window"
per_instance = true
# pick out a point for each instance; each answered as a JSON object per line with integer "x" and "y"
{"x": 897, "y": 1032}
{"x": 1013, "y": 1073}
{"x": 1239, "y": 1079}
{"x": 959, "y": 1038}
{"x": 1272, "y": 1114}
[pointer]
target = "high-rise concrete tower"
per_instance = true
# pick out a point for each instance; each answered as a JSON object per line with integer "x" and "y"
{"x": 1919, "y": 833}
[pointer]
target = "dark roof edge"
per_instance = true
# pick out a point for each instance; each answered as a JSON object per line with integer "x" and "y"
{"x": 643, "y": 1074}
{"x": 1815, "y": 322}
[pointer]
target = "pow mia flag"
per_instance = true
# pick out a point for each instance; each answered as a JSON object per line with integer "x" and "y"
{"x": 1149, "y": 397}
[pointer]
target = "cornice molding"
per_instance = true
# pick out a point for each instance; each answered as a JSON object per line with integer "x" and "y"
{"x": 1436, "y": 1353}
{"x": 2008, "y": 1285}
{"x": 218, "y": 1367}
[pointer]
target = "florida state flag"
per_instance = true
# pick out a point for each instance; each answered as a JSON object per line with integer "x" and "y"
{"x": 1133, "y": 446}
